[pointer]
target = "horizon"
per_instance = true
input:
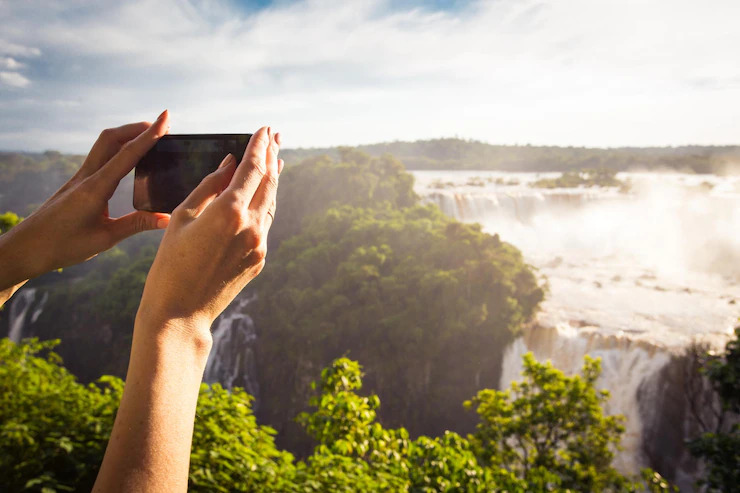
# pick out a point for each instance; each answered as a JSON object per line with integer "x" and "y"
{"x": 611, "y": 74}
{"x": 388, "y": 142}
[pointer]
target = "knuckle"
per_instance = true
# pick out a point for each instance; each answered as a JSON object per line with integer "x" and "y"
{"x": 141, "y": 223}
{"x": 254, "y": 238}
{"x": 180, "y": 213}
{"x": 272, "y": 180}
{"x": 232, "y": 218}
{"x": 259, "y": 254}
{"x": 107, "y": 136}
{"x": 128, "y": 147}
{"x": 131, "y": 150}
{"x": 258, "y": 164}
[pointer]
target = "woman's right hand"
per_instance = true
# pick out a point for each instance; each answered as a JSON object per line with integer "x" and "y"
{"x": 215, "y": 242}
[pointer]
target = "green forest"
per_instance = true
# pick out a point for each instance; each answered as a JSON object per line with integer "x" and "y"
{"x": 367, "y": 297}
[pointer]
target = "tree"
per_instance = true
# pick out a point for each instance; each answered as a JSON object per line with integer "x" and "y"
{"x": 354, "y": 452}
{"x": 553, "y": 425}
{"x": 720, "y": 447}
{"x": 321, "y": 182}
{"x": 230, "y": 451}
{"x": 422, "y": 300}
{"x": 53, "y": 430}
{"x": 8, "y": 220}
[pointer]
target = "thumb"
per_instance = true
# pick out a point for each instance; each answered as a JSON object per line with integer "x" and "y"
{"x": 136, "y": 222}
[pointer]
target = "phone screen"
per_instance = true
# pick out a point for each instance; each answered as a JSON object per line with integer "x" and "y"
{"x": 177, "y": 164}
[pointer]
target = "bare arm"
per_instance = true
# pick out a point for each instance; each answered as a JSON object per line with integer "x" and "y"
{"x": 215, "y": 244}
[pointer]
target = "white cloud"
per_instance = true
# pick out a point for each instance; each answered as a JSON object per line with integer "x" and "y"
{"x": 12, "y": 49}
{"x": 13, "y": 79}
{"x": 10, "y": 63}
{"x": 627, "y": 72}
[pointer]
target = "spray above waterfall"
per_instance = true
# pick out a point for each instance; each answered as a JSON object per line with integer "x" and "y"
{"x": 661, "y": 262}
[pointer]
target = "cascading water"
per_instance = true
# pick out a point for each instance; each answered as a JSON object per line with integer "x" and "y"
{"x": 633, "y": 278}
{"x": 624, "y": 363}
{"x": 25, "y": 309}
{"x": 231, "y": 362}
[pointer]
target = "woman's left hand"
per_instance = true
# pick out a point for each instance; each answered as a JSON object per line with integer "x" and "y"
{"x": 74, "y": 225}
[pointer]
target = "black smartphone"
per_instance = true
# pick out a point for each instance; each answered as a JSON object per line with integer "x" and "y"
{"x": 177, "y": 164}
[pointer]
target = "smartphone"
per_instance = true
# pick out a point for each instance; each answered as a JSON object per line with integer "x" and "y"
{"x": 177, "y": 164}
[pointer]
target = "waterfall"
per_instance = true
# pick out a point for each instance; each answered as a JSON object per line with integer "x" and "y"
{"x": 633, "y": 279}
{"x": 232, "y": 362}
{"x": 23, "y": 304}
{"x": 626, "y": 365}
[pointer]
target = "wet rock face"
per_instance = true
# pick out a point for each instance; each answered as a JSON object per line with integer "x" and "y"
{"x": 232, "y": 360}
{"x": 662, "y": 406}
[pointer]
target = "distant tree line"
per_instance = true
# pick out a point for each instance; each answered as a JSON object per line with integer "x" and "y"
{"x": 452, "y": 154}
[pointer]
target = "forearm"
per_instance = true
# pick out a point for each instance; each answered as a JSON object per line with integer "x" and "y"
{"x": 149, "y": 448}
{"x": 12, "y": 275}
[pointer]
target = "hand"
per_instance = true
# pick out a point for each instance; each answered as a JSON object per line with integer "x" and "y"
{"x": 74, "y": 225}
{"x": 216, "y": 241}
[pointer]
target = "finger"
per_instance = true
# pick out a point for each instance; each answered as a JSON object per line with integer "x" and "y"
{"x": 279, "y": 141}
{"x": 136, "y": 222}
{"x": 272, "y": 153}
{"x": 108, "y": 144}
{"x": 265, "y": 198}
{"x": 265, "y": 195}
{"x": 129, "y": 155}
{"x": 209, "y": 188}
{"x": 253, "y": 167}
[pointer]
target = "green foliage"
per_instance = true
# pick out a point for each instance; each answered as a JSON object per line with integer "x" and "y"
{"x": 419, "y": 298}
{"x": 600, "y": 177}
{"x": 8, "y": 220}
{"x": 550, "y": 422}
{"x": 230, "y": 451}
{"x": 319, "y": 183}
{"x": 53, "y": 433}
{"x": 721, "y": 449}
{"x": 53, "y": 430}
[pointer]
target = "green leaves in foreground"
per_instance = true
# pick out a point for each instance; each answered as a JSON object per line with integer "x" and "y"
{"x": 53, "y": 430}
{"x": 8, "y": 220}
{"x": 550, "y": 422}
{"x": 547, "y": 434}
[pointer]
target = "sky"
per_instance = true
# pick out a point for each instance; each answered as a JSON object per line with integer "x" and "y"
{"x": 598, "y": 73}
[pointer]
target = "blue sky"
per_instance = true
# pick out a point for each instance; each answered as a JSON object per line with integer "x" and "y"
{"x": 561, "y": 72}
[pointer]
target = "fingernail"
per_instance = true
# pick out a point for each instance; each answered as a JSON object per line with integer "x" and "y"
{"x": 278, "y": 139}
{"x": 227, "y": 160}
{"x": 269, "y": 132}
{"x": 281, "y": 165}
{"x": 163, "y": 222}
{"x": 161, "y": 116}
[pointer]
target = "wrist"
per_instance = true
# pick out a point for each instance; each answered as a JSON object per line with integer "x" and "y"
{"x": 190, "y": 332}
{"x": 18, "y": 260}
